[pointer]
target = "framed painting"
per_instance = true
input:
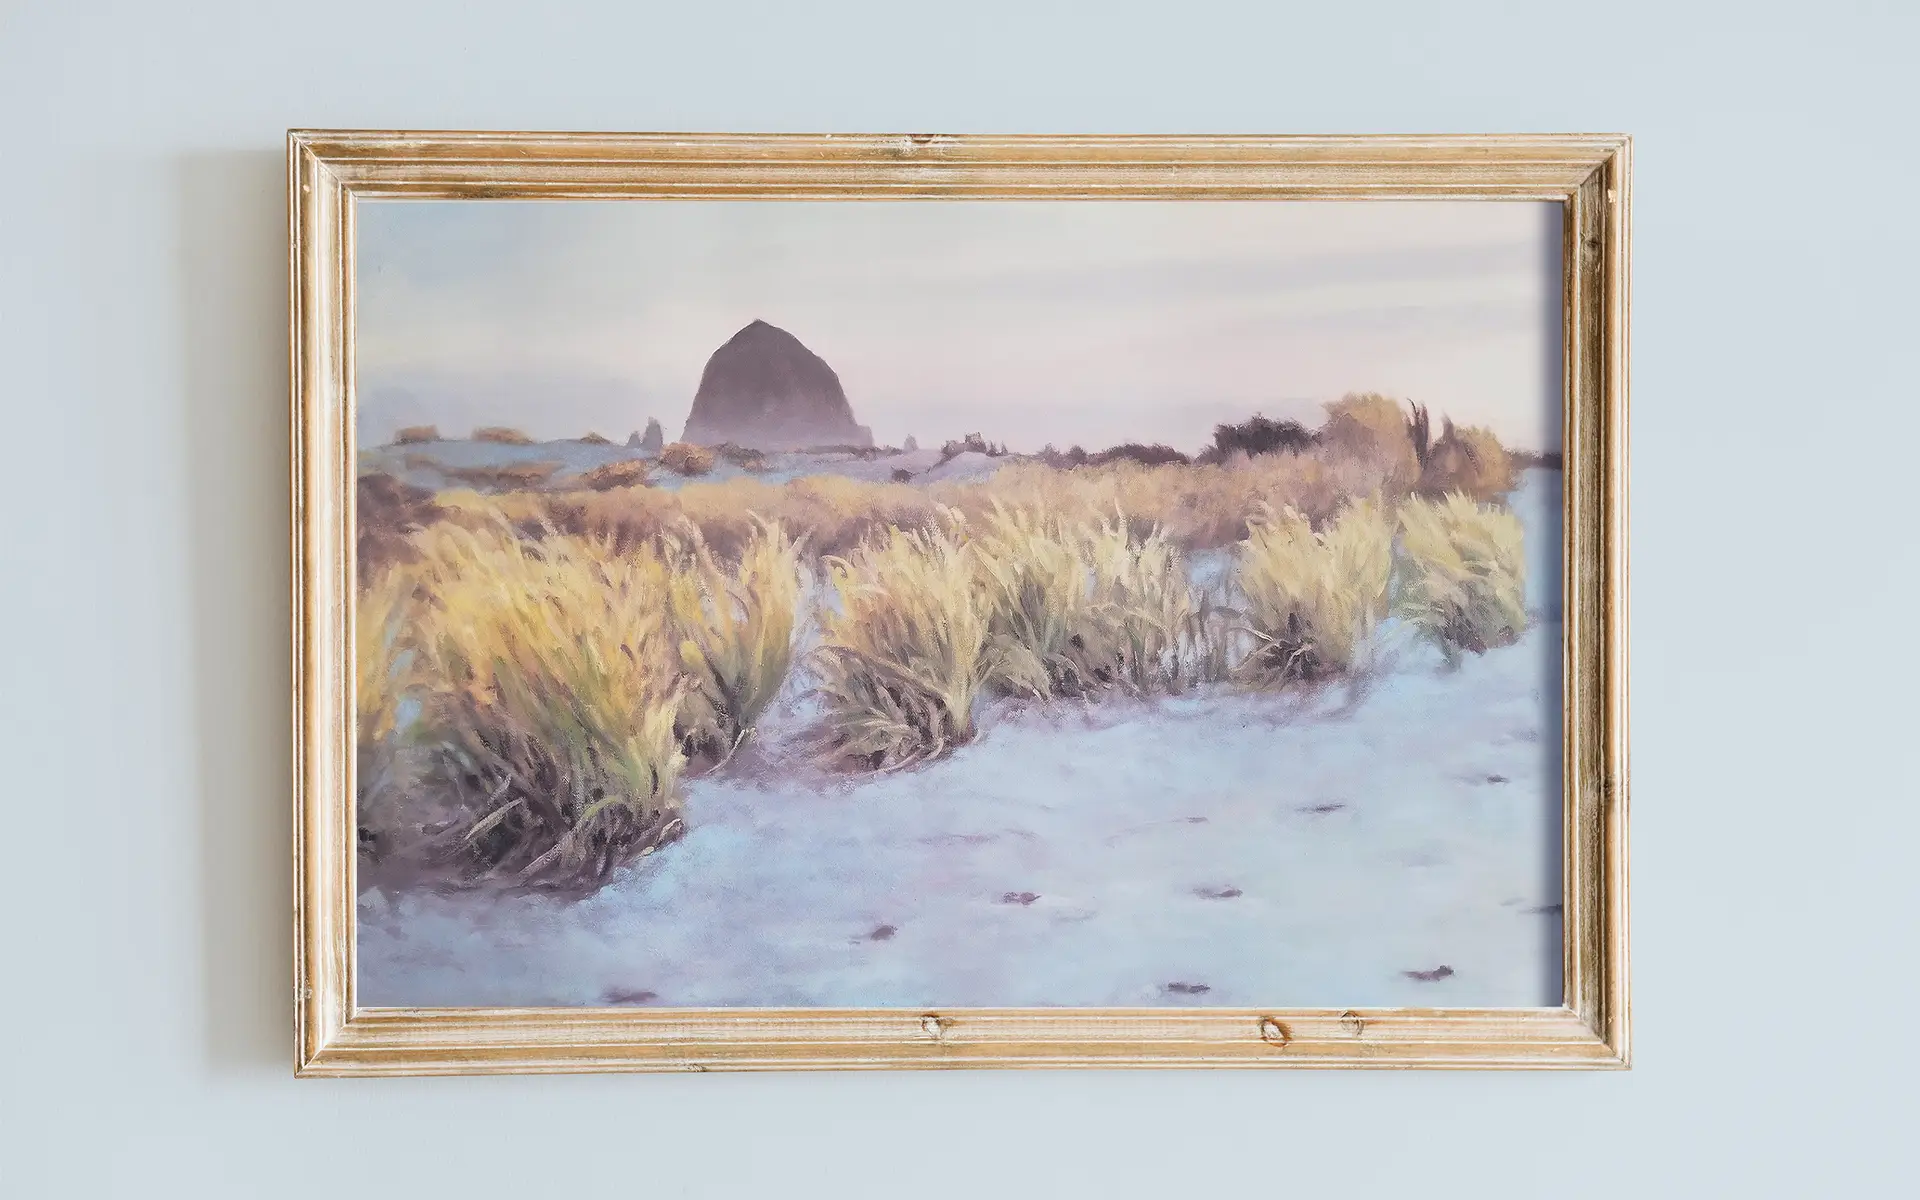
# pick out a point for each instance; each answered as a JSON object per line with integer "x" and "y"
{"x": 920, "y": 601}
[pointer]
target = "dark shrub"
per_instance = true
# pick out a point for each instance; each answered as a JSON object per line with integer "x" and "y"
{"x": 1551, "y": 460}
{"x": 1146, "y": 456}
{"x": 1419, "y": 432}
{"x": 973, "y": 443}
{"x": 385, "y": 512}
{"x": 902, "y": 475}
{"x": 1260, "y": 435}
{"x": 744, "y": 457}
{"x": 508, "y": 477}
{"x": 863, "y": 453}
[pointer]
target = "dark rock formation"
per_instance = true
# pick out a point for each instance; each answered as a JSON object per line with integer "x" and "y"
{"x": 765, "y": 390}
{"x": 653, "y": 439}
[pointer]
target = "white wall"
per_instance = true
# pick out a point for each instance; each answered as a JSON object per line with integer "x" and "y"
{"x": 143, "y": 724}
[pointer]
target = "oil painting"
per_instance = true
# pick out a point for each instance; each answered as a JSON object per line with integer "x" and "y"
{"x": 896, "y": 604}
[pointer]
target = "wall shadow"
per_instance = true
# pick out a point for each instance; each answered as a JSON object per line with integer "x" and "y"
{"x": 233, "y": 278}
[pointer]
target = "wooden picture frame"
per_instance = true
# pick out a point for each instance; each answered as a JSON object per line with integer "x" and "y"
{"x": 329, "y": 171}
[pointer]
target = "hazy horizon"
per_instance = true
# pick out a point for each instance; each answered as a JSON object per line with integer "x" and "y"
{"x": 1031, "y": 322}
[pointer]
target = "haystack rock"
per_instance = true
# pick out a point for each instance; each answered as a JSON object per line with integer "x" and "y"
{"x": 765, "y": 390}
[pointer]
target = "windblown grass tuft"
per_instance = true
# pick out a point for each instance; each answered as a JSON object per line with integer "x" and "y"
{"x": 1313, "y": 597}
{"x": 550, "y": 699}
{"x": 1158, "y": 632}
{"x": 1078, "y": 606}
{"x": 1043, "y": 625}
{"x": 1462, "y": 578}
{"x": 903, "y": 653}
{"x": 734, "y": 627}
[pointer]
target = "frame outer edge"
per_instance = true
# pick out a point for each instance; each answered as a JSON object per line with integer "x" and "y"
{"x": 328, "y": 169}
{"x": 321, "y": 571}
{"x": 305, "y": 1042}
{"x": 1617, "y": 346}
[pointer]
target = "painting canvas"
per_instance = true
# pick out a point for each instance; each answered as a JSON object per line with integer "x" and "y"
{"x": 958, "y": 603}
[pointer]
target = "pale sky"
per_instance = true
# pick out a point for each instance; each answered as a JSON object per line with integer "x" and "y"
{"x": 1031, "y": 322}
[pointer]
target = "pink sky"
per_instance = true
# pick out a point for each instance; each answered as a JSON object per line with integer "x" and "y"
{"x": 1032, "y": 322}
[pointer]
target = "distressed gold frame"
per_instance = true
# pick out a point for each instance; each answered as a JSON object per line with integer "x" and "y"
{"x": 329, "y": 170}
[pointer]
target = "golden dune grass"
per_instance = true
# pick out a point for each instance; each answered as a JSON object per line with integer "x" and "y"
{"x": 1198, "y": 506}
{"x": 384, "y": 676}
{"x": 1313, "y": 597}
{"x": 1365, "y": 447}
{"x": 1045, "y": 623}
{"x": 1155, "y": 628}
{"x": 550, "y": 697}
{"x": 903, "y": 651}
{"x": 564, "y": 686}
{"x": 1022, "y": 600}
{"x": 835, "y": 513}
{"x": 734, "y": 625}
{"x": 1462, "y": 573}
{"x": 575, "y": 653}
{"x": 380, "y": 618}
{"x": 1195, "y": 506}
